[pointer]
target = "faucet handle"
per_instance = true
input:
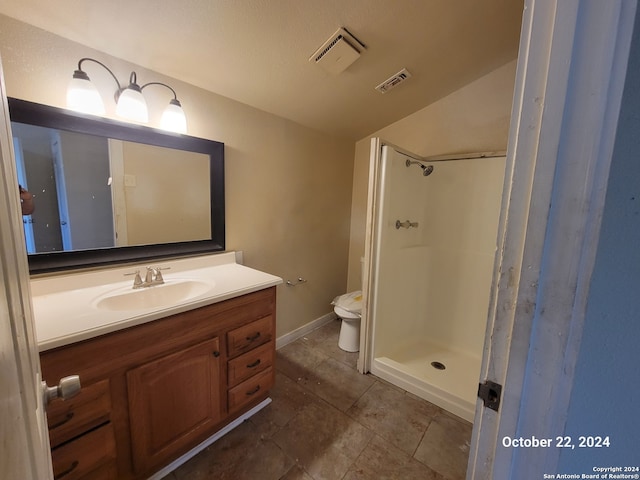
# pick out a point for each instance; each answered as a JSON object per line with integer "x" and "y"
{"x": 137, "y": 281}
{"x": 159, "y": 278}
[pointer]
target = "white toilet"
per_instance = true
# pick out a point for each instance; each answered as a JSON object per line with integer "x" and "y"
{"x": 348, "y": 307}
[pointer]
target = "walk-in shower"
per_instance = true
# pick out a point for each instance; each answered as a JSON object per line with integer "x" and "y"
{"x": 431, "y": 254}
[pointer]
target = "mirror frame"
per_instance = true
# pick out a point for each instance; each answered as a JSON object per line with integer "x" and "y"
{"x": 23, "y": 111}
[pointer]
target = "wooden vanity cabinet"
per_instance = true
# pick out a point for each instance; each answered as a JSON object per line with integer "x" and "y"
{"x": 152, "y": 392}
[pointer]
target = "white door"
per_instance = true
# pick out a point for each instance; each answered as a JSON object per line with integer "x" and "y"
{"x": 569, "y": 83}
{"x": 61, "y": 191}
{"x": 23, "y": 430}
{"x": 22, "y": 180}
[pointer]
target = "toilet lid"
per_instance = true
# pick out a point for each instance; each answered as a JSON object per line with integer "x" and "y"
{"x": 351, "y": 302}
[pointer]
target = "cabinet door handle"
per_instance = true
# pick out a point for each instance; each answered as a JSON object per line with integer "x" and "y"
{"x": 216, "y": 353}
{"x": 251, "y": 338}
{"x": 73, "y": 466}
{"x": 254, "y": 364}
{"x": 253, "y": 391}
{"x": 67, "y": 417}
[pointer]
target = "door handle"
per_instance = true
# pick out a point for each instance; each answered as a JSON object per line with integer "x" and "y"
{"x": 67, "y": 388}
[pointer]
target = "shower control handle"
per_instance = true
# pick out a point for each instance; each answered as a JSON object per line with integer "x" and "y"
{"x": 407, "y": 224}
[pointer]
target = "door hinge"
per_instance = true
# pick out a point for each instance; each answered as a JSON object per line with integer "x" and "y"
{"x": 490, "y": 393}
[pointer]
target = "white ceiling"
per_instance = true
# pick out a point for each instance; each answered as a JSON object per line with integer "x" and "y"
{"x": 257, "y": 51}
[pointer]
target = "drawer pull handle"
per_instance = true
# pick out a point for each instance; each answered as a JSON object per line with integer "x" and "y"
{"x": 253, "y": 391}
{"x": 73, "y": 466}
{"x": 216, "y": 353}
{"x": 67, "y": 417}
{"x": 254, "y": 364}
{"x": 251, "y": 338}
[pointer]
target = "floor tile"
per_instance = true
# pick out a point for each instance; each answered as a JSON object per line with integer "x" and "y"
{"x": 337, "y": 383}
{"x": 445, "y": 447}
{"x": 329, "y": 346}
{"x": 325, "y": 340}
{"x": 239, "y": 455}
{"x": 323, "y": 441}
{"x": 329, "y": 331}
{"x": 396, "y": 417}
{"x": 296, "y": 360}
{"x": 296, "y": 473}
{"x": 288, "y": 398}
{"x": 382, "y": 461}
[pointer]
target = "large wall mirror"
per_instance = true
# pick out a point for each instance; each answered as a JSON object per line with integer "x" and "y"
{"x": 109, "y": 192}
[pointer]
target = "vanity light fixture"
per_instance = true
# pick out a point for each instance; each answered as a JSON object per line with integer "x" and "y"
{"x": 83, "y": 96}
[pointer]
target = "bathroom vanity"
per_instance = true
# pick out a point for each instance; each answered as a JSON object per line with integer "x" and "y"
{"x": 156, "y": 382}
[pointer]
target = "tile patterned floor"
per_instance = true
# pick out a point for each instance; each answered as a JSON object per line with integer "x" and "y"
{"x": 328, "y": 422}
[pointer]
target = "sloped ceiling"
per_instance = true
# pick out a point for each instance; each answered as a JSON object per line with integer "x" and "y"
{"x": 257, "y": 51}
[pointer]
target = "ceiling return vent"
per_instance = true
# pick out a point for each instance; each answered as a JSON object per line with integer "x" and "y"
{"x": 338, "y": 52}
{"x": 394, "y": 81}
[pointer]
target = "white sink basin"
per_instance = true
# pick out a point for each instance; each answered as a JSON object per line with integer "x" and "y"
{"x": 157, "y": 296}
{"x": 76, "y": 306}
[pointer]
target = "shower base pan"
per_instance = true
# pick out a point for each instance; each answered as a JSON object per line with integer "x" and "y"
{"x": 453, "y": 388}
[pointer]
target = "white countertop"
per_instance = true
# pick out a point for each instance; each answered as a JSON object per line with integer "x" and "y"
{"x": 64, "y": 306}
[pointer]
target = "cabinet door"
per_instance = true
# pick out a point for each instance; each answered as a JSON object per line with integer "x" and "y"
{"x": 174, "y": 402}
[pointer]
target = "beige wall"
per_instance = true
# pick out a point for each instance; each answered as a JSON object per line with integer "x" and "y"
{"x": 165, "y": 202}
{"x": 288, "y": 188}
{"x": 472, "y": 119}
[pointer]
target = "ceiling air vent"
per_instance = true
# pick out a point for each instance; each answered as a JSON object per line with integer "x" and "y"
{"x": 394, "y": 81}
{"x": 338, "y": 52}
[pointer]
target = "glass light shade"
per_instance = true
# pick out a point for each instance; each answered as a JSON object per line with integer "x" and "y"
{"x": 173, "y": 118}
{"x": 132, "y": 105}
{"x": 83, "y": 96}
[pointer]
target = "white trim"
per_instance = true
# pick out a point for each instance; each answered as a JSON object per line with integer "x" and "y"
{"x": 569, "y": 83}
{"x": 220, "y": 433}
{"x": 24, "y": 437}
{"x": 300, "y": 332}
{"x": 368, "y": 267}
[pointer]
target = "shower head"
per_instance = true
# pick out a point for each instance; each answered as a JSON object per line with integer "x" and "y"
{"x": 426, "y": 169}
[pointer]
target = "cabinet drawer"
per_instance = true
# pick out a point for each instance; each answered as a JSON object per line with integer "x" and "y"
{"x": 89, "y": 456}
{"x": 254, "y": 387}
{"x": 69, "y": 418}
{"x": 249, "y": 336}
{"x": 250, "y": 363}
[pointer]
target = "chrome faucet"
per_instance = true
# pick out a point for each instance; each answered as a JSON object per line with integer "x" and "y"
{"x": 152, "y": 277}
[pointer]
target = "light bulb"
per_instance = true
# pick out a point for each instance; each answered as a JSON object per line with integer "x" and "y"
{"x": 173, "y": 118}
{"x": 132, "y": 105}
{"x": 83, "y": 96}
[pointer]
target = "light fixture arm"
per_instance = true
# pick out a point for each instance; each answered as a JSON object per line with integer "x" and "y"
{"x": 81, "y": 73}
{"x": 175, "y": 97}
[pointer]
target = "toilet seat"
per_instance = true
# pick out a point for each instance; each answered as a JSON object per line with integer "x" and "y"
{"x": 345, "y": 314}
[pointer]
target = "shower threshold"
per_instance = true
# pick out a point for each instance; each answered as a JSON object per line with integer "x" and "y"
{"x": 452, "y": 388}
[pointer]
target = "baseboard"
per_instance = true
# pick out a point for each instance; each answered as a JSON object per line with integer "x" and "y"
{"x": 299, "y": 332}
